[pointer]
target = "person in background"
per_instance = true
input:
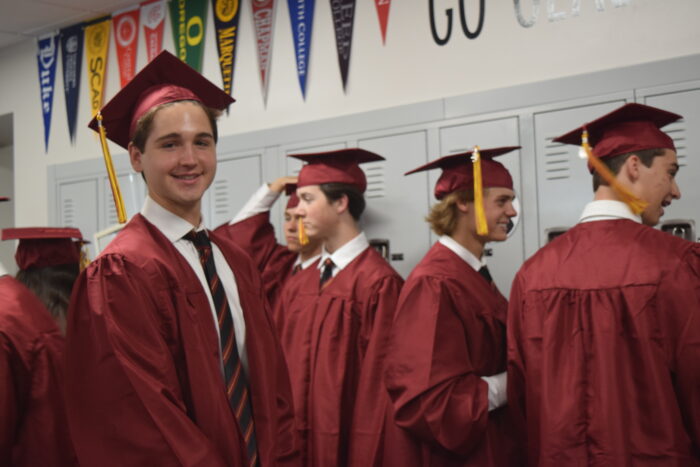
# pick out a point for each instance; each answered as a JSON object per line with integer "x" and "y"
{"x": 337, "y": 318}
{"x": 447, "y": 359}
{"x": 33, "y": 425}
{"x": 172, "y": 357}
{"x": 251, "y": 230}
{"x": 604, "y": 321}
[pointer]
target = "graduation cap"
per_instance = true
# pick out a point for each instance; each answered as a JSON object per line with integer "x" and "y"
{"x": 291, "y": 190}
{"x": 165, "y": 79}
{"x": 341, "y": 166}
{"x": 41, "y": 247}
{"x": 475, "y": 170}
{"x": 632, "y": 127}
{"x": 4, "y": 198}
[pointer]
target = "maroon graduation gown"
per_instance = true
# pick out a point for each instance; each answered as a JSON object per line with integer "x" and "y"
{"x": 144, "y": 383}
{"x": 448, "y": 332}
{"x": 604, "y": 348}
{"x": 33, "y": 427}
{"x": 335, "y": 343}
{"x": 274, "y": 261}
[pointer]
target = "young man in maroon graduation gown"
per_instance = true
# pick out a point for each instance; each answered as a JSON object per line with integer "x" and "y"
{"x": 447, "y": 359}
{"x": 336, "y": 318}
{"x": 604, "y": 322}
{"x": 33, "y": 425}
{"x": 251, "y": 230}
{"x": 172, "y": 356}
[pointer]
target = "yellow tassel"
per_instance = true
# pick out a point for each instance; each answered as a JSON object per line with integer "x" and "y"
{"x": 303, "y": 239}
{"x": 113, "y": 182}
{"x": 84, "y": 258}
{"x": 635, "y": 204}
{"x": 482, "y": 227}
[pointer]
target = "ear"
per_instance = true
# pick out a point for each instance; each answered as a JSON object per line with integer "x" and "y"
{"x": 341, "y": 204}
{"x": 463, "y": 206}
{"x": 631, "y": 168}
{"x": 135, "y": 156}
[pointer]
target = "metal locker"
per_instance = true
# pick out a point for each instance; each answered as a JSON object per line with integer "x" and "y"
{"x": 78, "y": 206}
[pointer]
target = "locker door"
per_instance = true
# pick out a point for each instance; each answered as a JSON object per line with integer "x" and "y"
{"x": 564, "y": 184}
{"x": 396, "y": 205}
{"x": 686, "y": 137}
{"x": 237, "y": 178}
{"x": 506, "y": 257}
{"x": 133, "y": 190}
{"x": 78, "y": 206}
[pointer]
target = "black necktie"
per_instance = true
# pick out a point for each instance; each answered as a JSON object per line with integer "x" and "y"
{"x": 234, "y": 375}
{"x": 484, "y": 271}
{"x": 327, "y": 272}
{"x": 296, "y": 269}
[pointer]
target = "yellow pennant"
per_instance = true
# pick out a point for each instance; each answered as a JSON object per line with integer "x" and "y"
{"x": 482, "y": 227}
{"x": 96, "y": 46}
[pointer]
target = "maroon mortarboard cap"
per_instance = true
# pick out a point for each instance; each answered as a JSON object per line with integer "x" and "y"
{"x": 341, "y": 166}
{"x": 291, "y": 190}
{"x": 165, "y": 79}
{"x": 4, "y": 198}
{"x": 632, "y": 127}
{"x": 458, "y": 173}
{"x": 41, "y": 247}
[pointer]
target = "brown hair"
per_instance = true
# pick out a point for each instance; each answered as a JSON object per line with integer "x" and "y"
{"x": 356, "y": 201}
{"x": 443, "y": 215}
{"x": 52, "y": 284}
{"x": 615, "y": 163}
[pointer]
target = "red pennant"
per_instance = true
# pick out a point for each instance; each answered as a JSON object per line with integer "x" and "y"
{"x": 263, "y": 15}
{"x": 126, "y": 34}
{"x": 153, "y": 17}
{"x": 383, "y": 13}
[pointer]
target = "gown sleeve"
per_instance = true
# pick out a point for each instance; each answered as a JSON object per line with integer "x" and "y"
{"x": 436, "y": 392}
{"x": 9, "y": 402}
{"x": 124, "y": 401}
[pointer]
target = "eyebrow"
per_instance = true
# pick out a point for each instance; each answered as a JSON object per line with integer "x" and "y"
{"x": 178, "y": 135}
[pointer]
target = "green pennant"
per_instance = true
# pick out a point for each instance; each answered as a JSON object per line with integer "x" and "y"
{"x": 189, "y": 18}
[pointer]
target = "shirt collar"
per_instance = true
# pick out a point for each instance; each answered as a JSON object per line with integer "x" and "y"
{"x": 346, "y": 253}
{"x": 307, "y": 263}
{"x": 462, "y": 252}
{"x": 171, "y": 225}
{"x": 606, "y": 209}
{"x": 3, "y": 271}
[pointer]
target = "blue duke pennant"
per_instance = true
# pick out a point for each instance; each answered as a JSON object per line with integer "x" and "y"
{"x": 301, "y": 14}
{"x": 46, "y": 58}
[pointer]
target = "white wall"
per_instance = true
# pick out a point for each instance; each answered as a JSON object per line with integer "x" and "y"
{"x": 409, "y": 68}
{"x": 7, "y": 249}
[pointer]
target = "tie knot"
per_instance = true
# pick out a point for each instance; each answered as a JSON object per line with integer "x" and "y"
{"x": 200, "y": 239}
{"x": 328, "y": 262}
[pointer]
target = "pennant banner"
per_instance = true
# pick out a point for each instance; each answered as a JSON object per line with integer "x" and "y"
{"x": 301, "y": 13}
{"x": 383, "y": 13}
{"x": 72, "y": 59}
{"x": 126, "y": 34}
{"x": 46, "y": 58}
{"x": 263, "y": 14}
{"x": 343, "y": 19}
{"x": 189, "y": 17}
{"x": 96, "y": 45}
{"x": 226, "y": 15}
{"x": 153, "y": 17}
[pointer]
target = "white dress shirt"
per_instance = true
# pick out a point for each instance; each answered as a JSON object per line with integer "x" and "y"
{"x": 174, "y": 228}
{"x": 604, "y": 209}
{"x": 497, "y": 383}
{"x": 345, "y": 254}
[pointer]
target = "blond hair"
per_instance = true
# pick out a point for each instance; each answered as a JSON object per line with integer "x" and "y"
{"x": 443, "y": 215}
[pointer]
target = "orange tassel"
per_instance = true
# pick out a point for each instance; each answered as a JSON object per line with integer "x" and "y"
{"x": 636, "y": 205}
{"x": 303, "y": 238}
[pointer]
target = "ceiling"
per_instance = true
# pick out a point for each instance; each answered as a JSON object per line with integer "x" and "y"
{"x": 24, "y": 19}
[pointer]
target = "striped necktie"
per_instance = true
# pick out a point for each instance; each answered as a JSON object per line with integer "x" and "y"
{"x": 327, "y": 272}
{"x": 484, "y": 271}
{"x": 234, "y": 374}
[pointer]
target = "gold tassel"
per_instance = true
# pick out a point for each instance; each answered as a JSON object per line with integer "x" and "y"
{"x": 635, "y": 204}
{"x": 84, "y": 258}
{"x": 482, "y": 227}
{"x": 303, "y": 238}
{"x": 113, "y": 182}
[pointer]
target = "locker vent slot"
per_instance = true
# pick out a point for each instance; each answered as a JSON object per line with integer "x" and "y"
{"x": 677, "y": 131}
{"x": 376, "y": 180}
{"x": 556, "y": 160}
{"x": 222, "y": 197}
{"x": 68, "y": 212}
